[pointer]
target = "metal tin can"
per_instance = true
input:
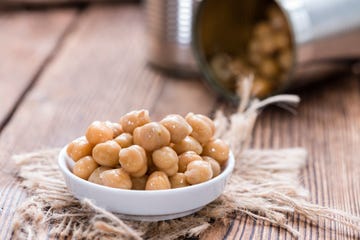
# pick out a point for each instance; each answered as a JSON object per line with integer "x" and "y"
{"x": 169, "y": 35}
{"x": 323, "y": 34}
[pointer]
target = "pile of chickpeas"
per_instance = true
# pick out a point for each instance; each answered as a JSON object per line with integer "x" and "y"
{"x": 268, "y": 56}
{"x": 142, "y": 155}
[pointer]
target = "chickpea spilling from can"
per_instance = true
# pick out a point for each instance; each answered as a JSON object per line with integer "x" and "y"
{"x": 267, "y": 56}
{"x": 142, "y": 155}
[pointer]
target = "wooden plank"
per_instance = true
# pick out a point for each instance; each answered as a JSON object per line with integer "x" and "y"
{"x": 327, "y": 124}
{"x": 27, "y": 40}
{"x": 100, "y": 73}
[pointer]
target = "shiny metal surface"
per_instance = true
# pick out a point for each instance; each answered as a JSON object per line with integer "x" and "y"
{"x": 168, "y": 26}
{"x": 325, "y": 36}
{"x": 323, "y": 30}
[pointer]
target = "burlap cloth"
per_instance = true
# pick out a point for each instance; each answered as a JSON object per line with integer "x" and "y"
{"x": 264, "y": 185}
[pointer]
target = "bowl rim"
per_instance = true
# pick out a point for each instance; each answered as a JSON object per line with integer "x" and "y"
{"x": 64, "y": 168}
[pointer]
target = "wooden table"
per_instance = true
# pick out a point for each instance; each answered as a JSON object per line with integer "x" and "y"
{"x": 62, "y": 68}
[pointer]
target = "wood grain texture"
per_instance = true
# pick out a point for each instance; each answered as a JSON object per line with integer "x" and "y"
{"x": 100, "y": 72}
{"x": 27, "y": 40}
{"x": 327, "y": 124}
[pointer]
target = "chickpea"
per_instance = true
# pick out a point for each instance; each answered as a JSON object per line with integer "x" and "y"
{"x": 285, "y": 59}
{"x": 268, "y": 46}
{"x": 261, "y": 87}
{"x": 255, "y": 58}
{"x": 281, "y": 40}
{"x": 157, "y": 181}
{"x": 237, "y": 67}
{"x": 178, "y": 180}
{"x": 79, "y": 148}
{"x": 218, "y": 150}
{"x": 185, "y": 158}
{"x": 141, "y": 172}
{"x": 95, "y": 175}
{"x": 215, "y": 166}
{"x": 98, "y": 132}
{"x": 203, "y": 127}
{"x": 151, "y": 136}
{"x": 165, "y": 157}
{"x": 268, "y": 68}
{"x": 116, "y": 128}
{"x": 134, "y": 119}
{"x": 107, "y": 153}
{"x": 277, "y": 19}
{"x": 124, "y": 140}
{"x": 198, "y": 172}
{"x": 171, "y": 170}
{"x": 139, "y": 183}
{"x": 188, "y": 144}
{"x": 84, "y": 167}
{"x": 133, "y": 159}
{"x": 219, "y": 64}
{"x": 262, "y": 29}
{"x": 254, "y": 46}
{"x": 116, "y": 178}
{"x": 208, "y": 120}
{"x": 177, "y": 126}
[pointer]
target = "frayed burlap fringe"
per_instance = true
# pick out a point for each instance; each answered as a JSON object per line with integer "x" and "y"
{"x": 264, "y": 185}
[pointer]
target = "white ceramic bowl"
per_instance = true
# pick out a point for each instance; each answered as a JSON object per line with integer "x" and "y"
{"x": 146, "y": 205}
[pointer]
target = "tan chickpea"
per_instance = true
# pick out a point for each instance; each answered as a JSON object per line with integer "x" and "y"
{"x": 281, "y": 40}
{"x": 261, "y": 87}
{"x": 219, "y": 63}
{"x": 177, "y": 126}
{"x": 134, "y": 119}
{"x": 171, "y": 170}
{"x": 107, "y": 153}
{"x": 79, "y": 148}
{"x": 188, "y": 144}
{"x": 178, "y": 180}
{"x": 198, "y": 172}
{"x": 285, "y": 59}
{"x": 254, "y": 46}
{"x": 124, "y": 140}
{"x": 84, "y": 167}
{"x": 218, "y": 150}
{"x": 262, "y": 29}
{"x": 95, "y": 175}
{"x": 236, "y": 66}
{"x": 203, "y": 128}
{"x": 139, "y": 183}
{"x": 157, "y": 181}
{"x": 215, "y": 166}
{"x": 141, "y": 172}
{"x": 185, "y": 158}
{"x": 133, "y": 159}
{"x": 255, "y": 58}
{"x": 98, "y": 132}
{"x": 208, "y": 120}
{"x": 268, "y": 68}
{"x": 165, "y": 157}
{"x": 116, "y": 127}
{"x": 151, "y": 136}
{"x": 267, "y": 46}
{"x": 116, "y": 178}
{"x": 277, "y": 19}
